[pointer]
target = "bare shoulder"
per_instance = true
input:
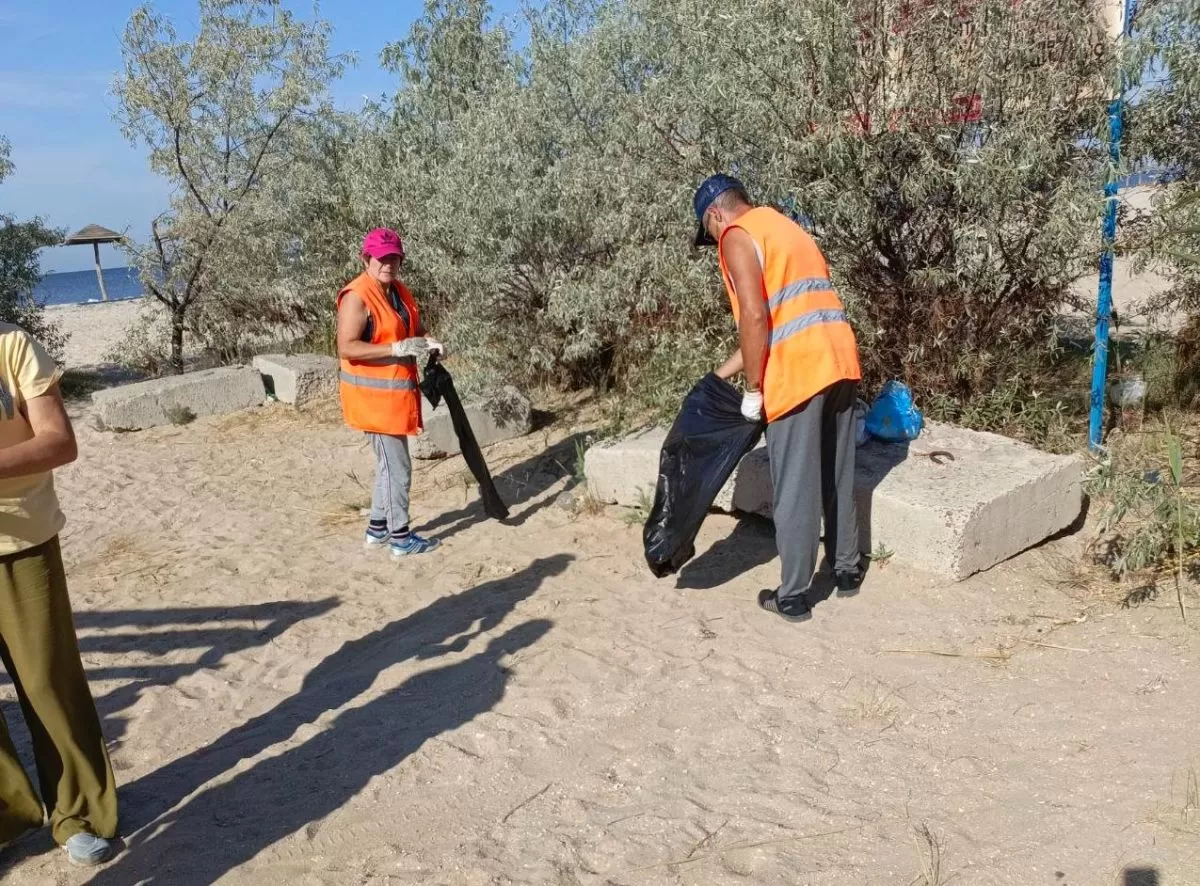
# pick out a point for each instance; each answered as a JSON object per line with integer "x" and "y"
{"x": 739, "y": 250}
{"x": 737, "y": 239}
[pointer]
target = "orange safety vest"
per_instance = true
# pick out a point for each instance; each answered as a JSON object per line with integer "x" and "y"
{"x": 810, "y": 344}
{"x": 381, "y": 396}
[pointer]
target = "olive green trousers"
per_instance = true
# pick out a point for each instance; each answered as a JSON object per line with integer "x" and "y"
{"x": 40, "y": 653}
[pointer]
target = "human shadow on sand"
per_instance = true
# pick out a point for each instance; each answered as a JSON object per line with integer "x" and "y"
{"x": 526, "y": 482}
{"x": 226, "y": 825}
{"x": 205, "y": 629}
{"x": 237, "y": 820}
{"x": 750, "y": 545}
{"x": 210, "y": 630}
{"x": 215, "y": 632}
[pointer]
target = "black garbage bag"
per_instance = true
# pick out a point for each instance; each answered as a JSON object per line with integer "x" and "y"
{"x": 705, "y": 444}
{"x": 438, "y": 385}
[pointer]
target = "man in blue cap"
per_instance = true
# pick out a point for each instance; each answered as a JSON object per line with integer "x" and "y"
{"x": 800, "y": 362}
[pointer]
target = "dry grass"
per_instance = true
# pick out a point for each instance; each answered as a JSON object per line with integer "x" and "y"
{"x": 587, "y": 506}
{"x": 125, "y": 558}
{"x": 930, "y": 848}
{"x": 1147, "y": 497}
{"x": 118, "y": 550}
{"x": 324, "y": 413}
{"x": 119, "y": 546}
{"x": 348, "y": 514}
{"x": 1181, "y": 813}
{"x": 879, "y": 705}
{"x": 1189, "y": 814}
{"x": 1001, "y": 656}
{"x": 180, "y": 415}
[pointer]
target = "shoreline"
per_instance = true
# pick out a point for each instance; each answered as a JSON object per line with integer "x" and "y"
{"x": 91, "y": 303}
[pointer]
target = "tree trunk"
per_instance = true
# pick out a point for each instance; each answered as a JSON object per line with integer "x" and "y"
{"x": 175, "y": 364}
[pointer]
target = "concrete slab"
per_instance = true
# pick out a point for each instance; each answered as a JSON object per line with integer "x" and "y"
{"x": 178, "y": 399}
{"x": 501, "y": 415}
{"x": 298, "y": 378}
{"x": 996, "y": 499}
{"x": 626, "y": 473}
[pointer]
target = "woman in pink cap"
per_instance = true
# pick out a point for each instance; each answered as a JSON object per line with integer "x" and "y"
{"x": 380, "y": 338}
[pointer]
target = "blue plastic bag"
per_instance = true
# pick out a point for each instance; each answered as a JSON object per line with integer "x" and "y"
{"x": 894, "y": 416}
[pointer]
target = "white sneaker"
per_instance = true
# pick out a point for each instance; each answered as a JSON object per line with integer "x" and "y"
{"x": 376, "y": 541}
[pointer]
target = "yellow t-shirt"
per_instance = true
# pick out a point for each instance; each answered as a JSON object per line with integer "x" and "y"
{"x": 29, "y": 512}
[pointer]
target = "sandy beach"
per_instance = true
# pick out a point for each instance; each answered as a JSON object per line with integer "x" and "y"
{"x": 96, "y": 329}
{"x": 529, "y": 706}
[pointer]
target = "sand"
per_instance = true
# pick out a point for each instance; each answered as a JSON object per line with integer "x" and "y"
{"x": 95, "y": 330}
{"x": 529, "y": 706}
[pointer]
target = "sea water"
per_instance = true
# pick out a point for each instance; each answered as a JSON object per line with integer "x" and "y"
{"x": 81, "y": 287}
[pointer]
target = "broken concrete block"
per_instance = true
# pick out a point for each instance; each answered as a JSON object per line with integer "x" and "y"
{"x": 501, "y": 415}
{"x": 177, "y": 399}
{"x": 997, "y": 498}
{"x": 298, "y": 378}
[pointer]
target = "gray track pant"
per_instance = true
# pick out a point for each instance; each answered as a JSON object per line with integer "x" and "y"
{"x": 812, "y": 469}
{"x": 393, "y": 477}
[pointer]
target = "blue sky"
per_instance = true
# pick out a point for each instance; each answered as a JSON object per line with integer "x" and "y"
{"x": 57, "y": 61}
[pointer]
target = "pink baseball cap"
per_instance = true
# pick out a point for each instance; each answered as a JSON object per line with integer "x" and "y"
{"x": 382, "y": 243}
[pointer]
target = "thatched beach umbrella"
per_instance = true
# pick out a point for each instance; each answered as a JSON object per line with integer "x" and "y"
{"x": 95, "y": 235}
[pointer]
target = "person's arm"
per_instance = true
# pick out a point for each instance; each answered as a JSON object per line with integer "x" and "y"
{"x": 53, "y": 442}
{"x": 732, "y": 366}
{"x": 351, "y": 322}
{"x": 753, "y": 321}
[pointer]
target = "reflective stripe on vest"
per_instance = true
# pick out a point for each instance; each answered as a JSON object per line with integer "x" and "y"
{"x": 801, "y": 323}
{"x": 386, "y": 384}
{"x": 800, "y": 287}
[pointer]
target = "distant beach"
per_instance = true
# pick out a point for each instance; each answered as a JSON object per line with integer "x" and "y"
{"x": 95, "y": 330}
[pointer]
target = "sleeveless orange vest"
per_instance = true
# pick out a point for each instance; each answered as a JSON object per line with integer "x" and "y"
{"x": 381, "y": 396}
{"x": 810, "y": 344}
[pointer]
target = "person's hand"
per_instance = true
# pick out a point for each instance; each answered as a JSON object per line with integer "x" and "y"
{"x": 437, "y": 346}
{"x": 410, "y": 347}
{"x": 752, "y": 406}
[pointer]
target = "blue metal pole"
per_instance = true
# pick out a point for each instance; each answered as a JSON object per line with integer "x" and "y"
{"x": 1104, "y": 299}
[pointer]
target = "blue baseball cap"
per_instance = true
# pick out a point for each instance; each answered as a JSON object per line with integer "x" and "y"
{"x": 712, "y": 188}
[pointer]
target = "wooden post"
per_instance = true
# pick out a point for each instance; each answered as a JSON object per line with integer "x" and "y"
{"x": 100, "y": 273}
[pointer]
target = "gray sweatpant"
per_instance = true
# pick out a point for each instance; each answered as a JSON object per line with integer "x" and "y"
{"x": 393, "y": 478}
{"x": 812, "y": 468}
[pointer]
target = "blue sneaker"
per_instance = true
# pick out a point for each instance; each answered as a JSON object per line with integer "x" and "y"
{"x": 408, "y": 545}
{"x": 88, "y": 849}
{"x": 374, "y": 539}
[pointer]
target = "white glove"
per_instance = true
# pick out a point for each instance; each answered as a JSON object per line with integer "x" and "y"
{"x": 435, "y": 345}
{"x": 752, "y": 406}
{"x": 410, "y": 347}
